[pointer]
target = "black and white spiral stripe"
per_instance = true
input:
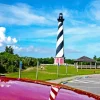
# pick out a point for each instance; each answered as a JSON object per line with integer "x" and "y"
{"x": 60, "y": 41}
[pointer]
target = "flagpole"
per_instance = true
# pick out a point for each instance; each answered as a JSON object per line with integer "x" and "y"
{"x": 66, "y": 68}
{"x": 19, "y": 73}
{"x": 37, "y": 71}
{"x": 77, "y": 67}
{"x": 58, "y": 70}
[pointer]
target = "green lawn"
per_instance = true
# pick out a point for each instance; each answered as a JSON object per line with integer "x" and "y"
{"x": 50, "y": 72}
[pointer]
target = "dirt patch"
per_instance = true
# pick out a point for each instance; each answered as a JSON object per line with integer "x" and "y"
{"x": 28, "y": 69}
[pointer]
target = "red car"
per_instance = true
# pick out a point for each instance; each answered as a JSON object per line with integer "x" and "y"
{"x": 24, "y": 89}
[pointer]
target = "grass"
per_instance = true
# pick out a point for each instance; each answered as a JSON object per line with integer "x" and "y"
{"x": 50, "y": 72}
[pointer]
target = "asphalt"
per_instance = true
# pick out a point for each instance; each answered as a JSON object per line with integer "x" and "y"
{"x": 90, "y": 83}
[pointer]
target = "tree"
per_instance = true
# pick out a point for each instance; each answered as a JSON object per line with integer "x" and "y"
{"x": 69, "y": 61}
{"x": 6, "y": 49}
{"x": 95, "y": 58}
{"x": 2, "y": 69}
{"x": 9, "y": 50}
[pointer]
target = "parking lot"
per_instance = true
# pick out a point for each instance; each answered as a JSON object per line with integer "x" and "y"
{"x": 90, "y": 83}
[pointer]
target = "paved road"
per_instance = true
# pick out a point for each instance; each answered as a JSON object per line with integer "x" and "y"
{"x": 89, "y": 83}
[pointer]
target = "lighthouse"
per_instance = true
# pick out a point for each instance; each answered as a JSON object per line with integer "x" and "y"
{"x": 59, "y": 59}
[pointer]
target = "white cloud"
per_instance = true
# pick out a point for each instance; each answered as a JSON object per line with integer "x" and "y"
{"x": 43, "y": 40}
{"x": 4, "y": 39}
{"x": 42, "y": 50}
{"x": 14, "y": 40}
{"x": 16, "y": 48}
{"x": 94, "y": 10}
{"x": 32, "y": 49}
{"x": 8, "y": 38}
{"x": 72, "y": 34}
{"x": 71, "y": 50}
{"x": 23, "y": 14}
{"x": 93, "y": 48}
{"x": 1, "y": 44}
{"x": 24, "y": 49}
{"x": 45, "y": 32}
{"x": 77, "y": 34}
{"x": 2, "y": 35}
{"x": 20, "y": 14}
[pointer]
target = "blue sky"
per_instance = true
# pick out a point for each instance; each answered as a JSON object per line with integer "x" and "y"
{"x": 30, "y": 27}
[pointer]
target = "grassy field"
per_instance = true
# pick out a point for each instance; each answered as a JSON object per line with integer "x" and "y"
{"x": 50, "y": 72}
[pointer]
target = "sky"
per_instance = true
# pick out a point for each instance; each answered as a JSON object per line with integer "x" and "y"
{"x": 30, "y": 27}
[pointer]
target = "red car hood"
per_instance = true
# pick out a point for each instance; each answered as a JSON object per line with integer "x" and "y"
{"x": 21, "y": 89}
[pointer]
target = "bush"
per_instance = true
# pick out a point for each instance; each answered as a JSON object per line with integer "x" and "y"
{"x": 12, "y": 68}
{"x": 2, "y": 69}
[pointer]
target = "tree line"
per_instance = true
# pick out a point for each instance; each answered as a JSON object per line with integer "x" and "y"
{"x": 9, "y": 62}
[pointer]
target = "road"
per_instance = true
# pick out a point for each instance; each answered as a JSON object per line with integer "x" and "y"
{"x": 89, "y": 83}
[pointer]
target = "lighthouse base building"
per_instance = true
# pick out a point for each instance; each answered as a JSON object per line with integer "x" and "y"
{"x": 59, "y": 59}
